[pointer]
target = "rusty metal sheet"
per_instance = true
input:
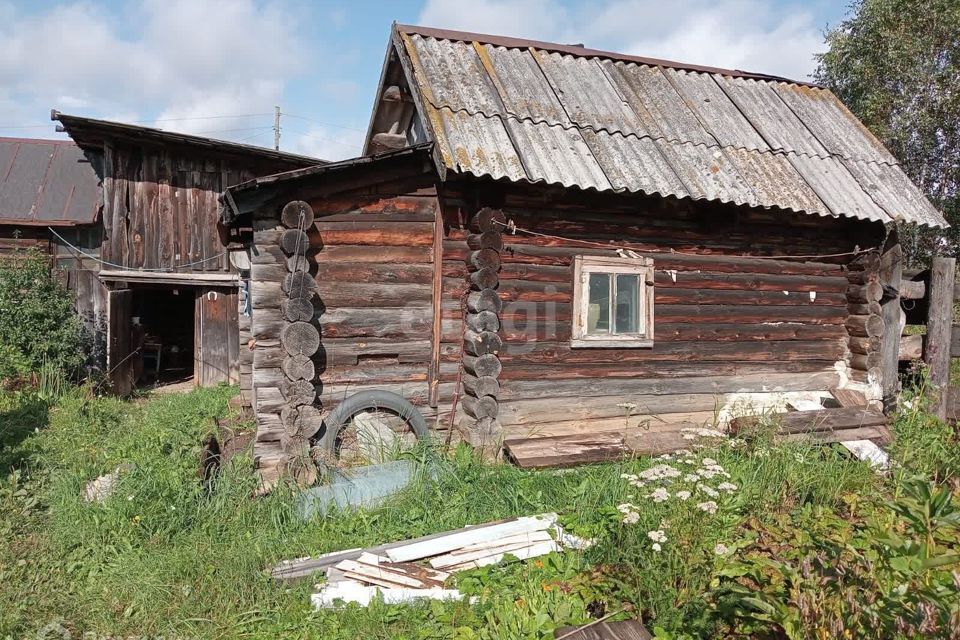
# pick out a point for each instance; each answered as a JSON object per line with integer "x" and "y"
{"x": 453, "y": 75}
{"x": 707, "y": 173}
{"x": 770, "y": 115}
{"x": 523, "y": 88}
{"x": 46, "y": 182}
{"x": 557, "y": 155}
{"x": 478, "y": 144}
{"x": 634, "y": 164}
{"x": 776, "y": 182}
{"x": 719, "y": 115}
{"x": 587, "y": 95}
{"x": 837, "y": 188}
{"x": 896, "y": 194}
{"x": 649, "y": 92}
{"x": 833, "y": 125}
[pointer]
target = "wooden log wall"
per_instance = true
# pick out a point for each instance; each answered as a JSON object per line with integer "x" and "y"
{"x": 865, "y": 324}
{"x": 726, "y": 323}
{"x": 481, "y": 338}
{"x": 369, "y": 268}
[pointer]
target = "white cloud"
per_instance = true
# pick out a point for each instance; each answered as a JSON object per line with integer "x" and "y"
{"x": 766, "y": 36}
{"x": 327, "y": 143}
{"x": 160, "y": 60}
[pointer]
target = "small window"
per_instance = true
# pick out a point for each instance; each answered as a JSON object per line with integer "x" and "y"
{"x": 612, "y": 302}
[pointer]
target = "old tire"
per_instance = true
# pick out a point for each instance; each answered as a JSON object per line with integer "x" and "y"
{"x": 363, "y": 401}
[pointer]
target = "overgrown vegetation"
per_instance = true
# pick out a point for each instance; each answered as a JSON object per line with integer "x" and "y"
{"x": 789, "y": 541}
{"x": 895, "y": 64}
{"x": 39, "y": 328}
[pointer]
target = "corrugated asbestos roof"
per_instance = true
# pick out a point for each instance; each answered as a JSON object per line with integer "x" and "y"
{"x": 46, "y": 182}
{"x": 536, "y": 112}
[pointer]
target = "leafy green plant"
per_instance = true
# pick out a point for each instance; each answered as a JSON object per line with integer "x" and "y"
{"x": 892, "y": 576}
{"x": 37, "y": 323}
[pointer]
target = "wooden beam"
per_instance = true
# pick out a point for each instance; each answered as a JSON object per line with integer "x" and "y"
{"x": 891, "y": 274}
{"x": 911, "y": 347}
{"x": 817, "y": 420}
{"x": 940, "y": 329}
{"x": 156, "y": 277}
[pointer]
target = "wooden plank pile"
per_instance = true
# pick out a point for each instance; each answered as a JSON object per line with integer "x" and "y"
{"x": 420, "y": 567}
{"x": 823, "y": 425}
{"x": 625, "y": 630}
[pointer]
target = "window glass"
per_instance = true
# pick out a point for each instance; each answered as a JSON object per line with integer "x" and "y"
{"x": 627, "y": 306}
{"x": 598, "y": 309}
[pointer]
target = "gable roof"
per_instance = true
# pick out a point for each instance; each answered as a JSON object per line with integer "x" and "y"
{"x": 539, "y": 112}
{"x": 92, "y": 132}
{"x": 46, "y": 182}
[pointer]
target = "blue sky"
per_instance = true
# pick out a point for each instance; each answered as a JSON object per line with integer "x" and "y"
{"x": 216, "y": 68}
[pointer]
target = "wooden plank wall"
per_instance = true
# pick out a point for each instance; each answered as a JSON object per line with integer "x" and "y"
{"x": 724, "y": 324}
{"x": 161, "y": 208}
{"x": 372, "y": 257}
{"x": 217, "y": 349}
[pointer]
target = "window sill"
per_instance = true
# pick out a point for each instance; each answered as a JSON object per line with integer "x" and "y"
{"x": 608, "y": 343}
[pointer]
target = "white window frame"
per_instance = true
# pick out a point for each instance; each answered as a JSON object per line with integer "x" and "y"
{"x": 583, "y": 266}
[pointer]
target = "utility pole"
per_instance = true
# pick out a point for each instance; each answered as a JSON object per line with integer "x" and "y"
{"x": 276, "y": 128}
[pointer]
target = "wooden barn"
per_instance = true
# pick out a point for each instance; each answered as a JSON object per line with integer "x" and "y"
{"x": 543, "y": 239}
{"x": 131, "y": 214}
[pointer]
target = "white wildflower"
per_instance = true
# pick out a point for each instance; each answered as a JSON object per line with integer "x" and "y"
{"x": 736, "y": 443}
{"x": 689, "y": 436}
{"x": 627, "y": 406}
{"x": 129, "y": 498}
{"x": 708, "y": 462}
{"x": 688, "y": 461}
{"x": 659, "y": 472}
{"x": 683, "y": 495}
{"x": 709, "y": 506}
{"x": 705, "y": 473}
{"x": 666, "y": 456}
{"x": 659, "y": 495}
{"x": 631, "y": 518}
{"x": 656, "y": 547}
{"x": 626, "y": 507}
{"x": 710, "y": 491}
{"x": 721, "y": 549}
{"x": 729, "y": 487}
{"x": 657, "y": 536}
{"x": 628, "y": 476}
{"x": 691, "y": 477}
{"x": 637, "y": 483}
{"x": 683, "y": 452}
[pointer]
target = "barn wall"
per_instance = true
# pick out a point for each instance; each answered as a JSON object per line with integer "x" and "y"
{"x": 725, "y": 325}
{"x": 371, "y": 256}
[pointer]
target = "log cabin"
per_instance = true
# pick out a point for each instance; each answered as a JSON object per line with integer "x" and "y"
{"x": 543, "y": 239}
{"x": 131, "y": 214}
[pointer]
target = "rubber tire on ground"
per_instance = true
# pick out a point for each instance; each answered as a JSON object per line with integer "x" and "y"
{"x": 373, "y": 399}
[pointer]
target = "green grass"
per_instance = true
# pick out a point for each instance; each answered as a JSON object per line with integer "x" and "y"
{"x": 166, "y": 556}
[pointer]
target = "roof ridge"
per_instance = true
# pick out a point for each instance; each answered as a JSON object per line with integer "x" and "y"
{"x": 523, "y": 43}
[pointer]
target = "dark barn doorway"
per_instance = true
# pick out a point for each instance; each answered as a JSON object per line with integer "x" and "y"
{"x": 163, "y": 328}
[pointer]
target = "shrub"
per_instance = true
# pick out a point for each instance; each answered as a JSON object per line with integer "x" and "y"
{"x": 38, "y": 326}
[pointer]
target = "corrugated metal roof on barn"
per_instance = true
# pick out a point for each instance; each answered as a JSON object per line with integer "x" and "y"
{"x": 46, "y": 182}
{"x": 559, "y": 114}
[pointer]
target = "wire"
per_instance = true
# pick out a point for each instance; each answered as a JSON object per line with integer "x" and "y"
{"x": 510, "y": 226}
{"x": 121, "y": 266}
{"x": 326, "y": 124}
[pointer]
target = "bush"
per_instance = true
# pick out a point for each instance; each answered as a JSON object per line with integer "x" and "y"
{"x": 38, "y": 327}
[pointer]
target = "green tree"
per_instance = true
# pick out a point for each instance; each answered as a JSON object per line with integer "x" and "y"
{"x": 38, "y": 326}
{"x": 894, "y": 63}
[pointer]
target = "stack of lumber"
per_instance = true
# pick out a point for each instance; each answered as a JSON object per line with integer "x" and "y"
{"x": 626, "y": 630}
{"x": 422, "y": 566}
{"x": 593, "y": 447}
{"x": 823, "y": 425}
